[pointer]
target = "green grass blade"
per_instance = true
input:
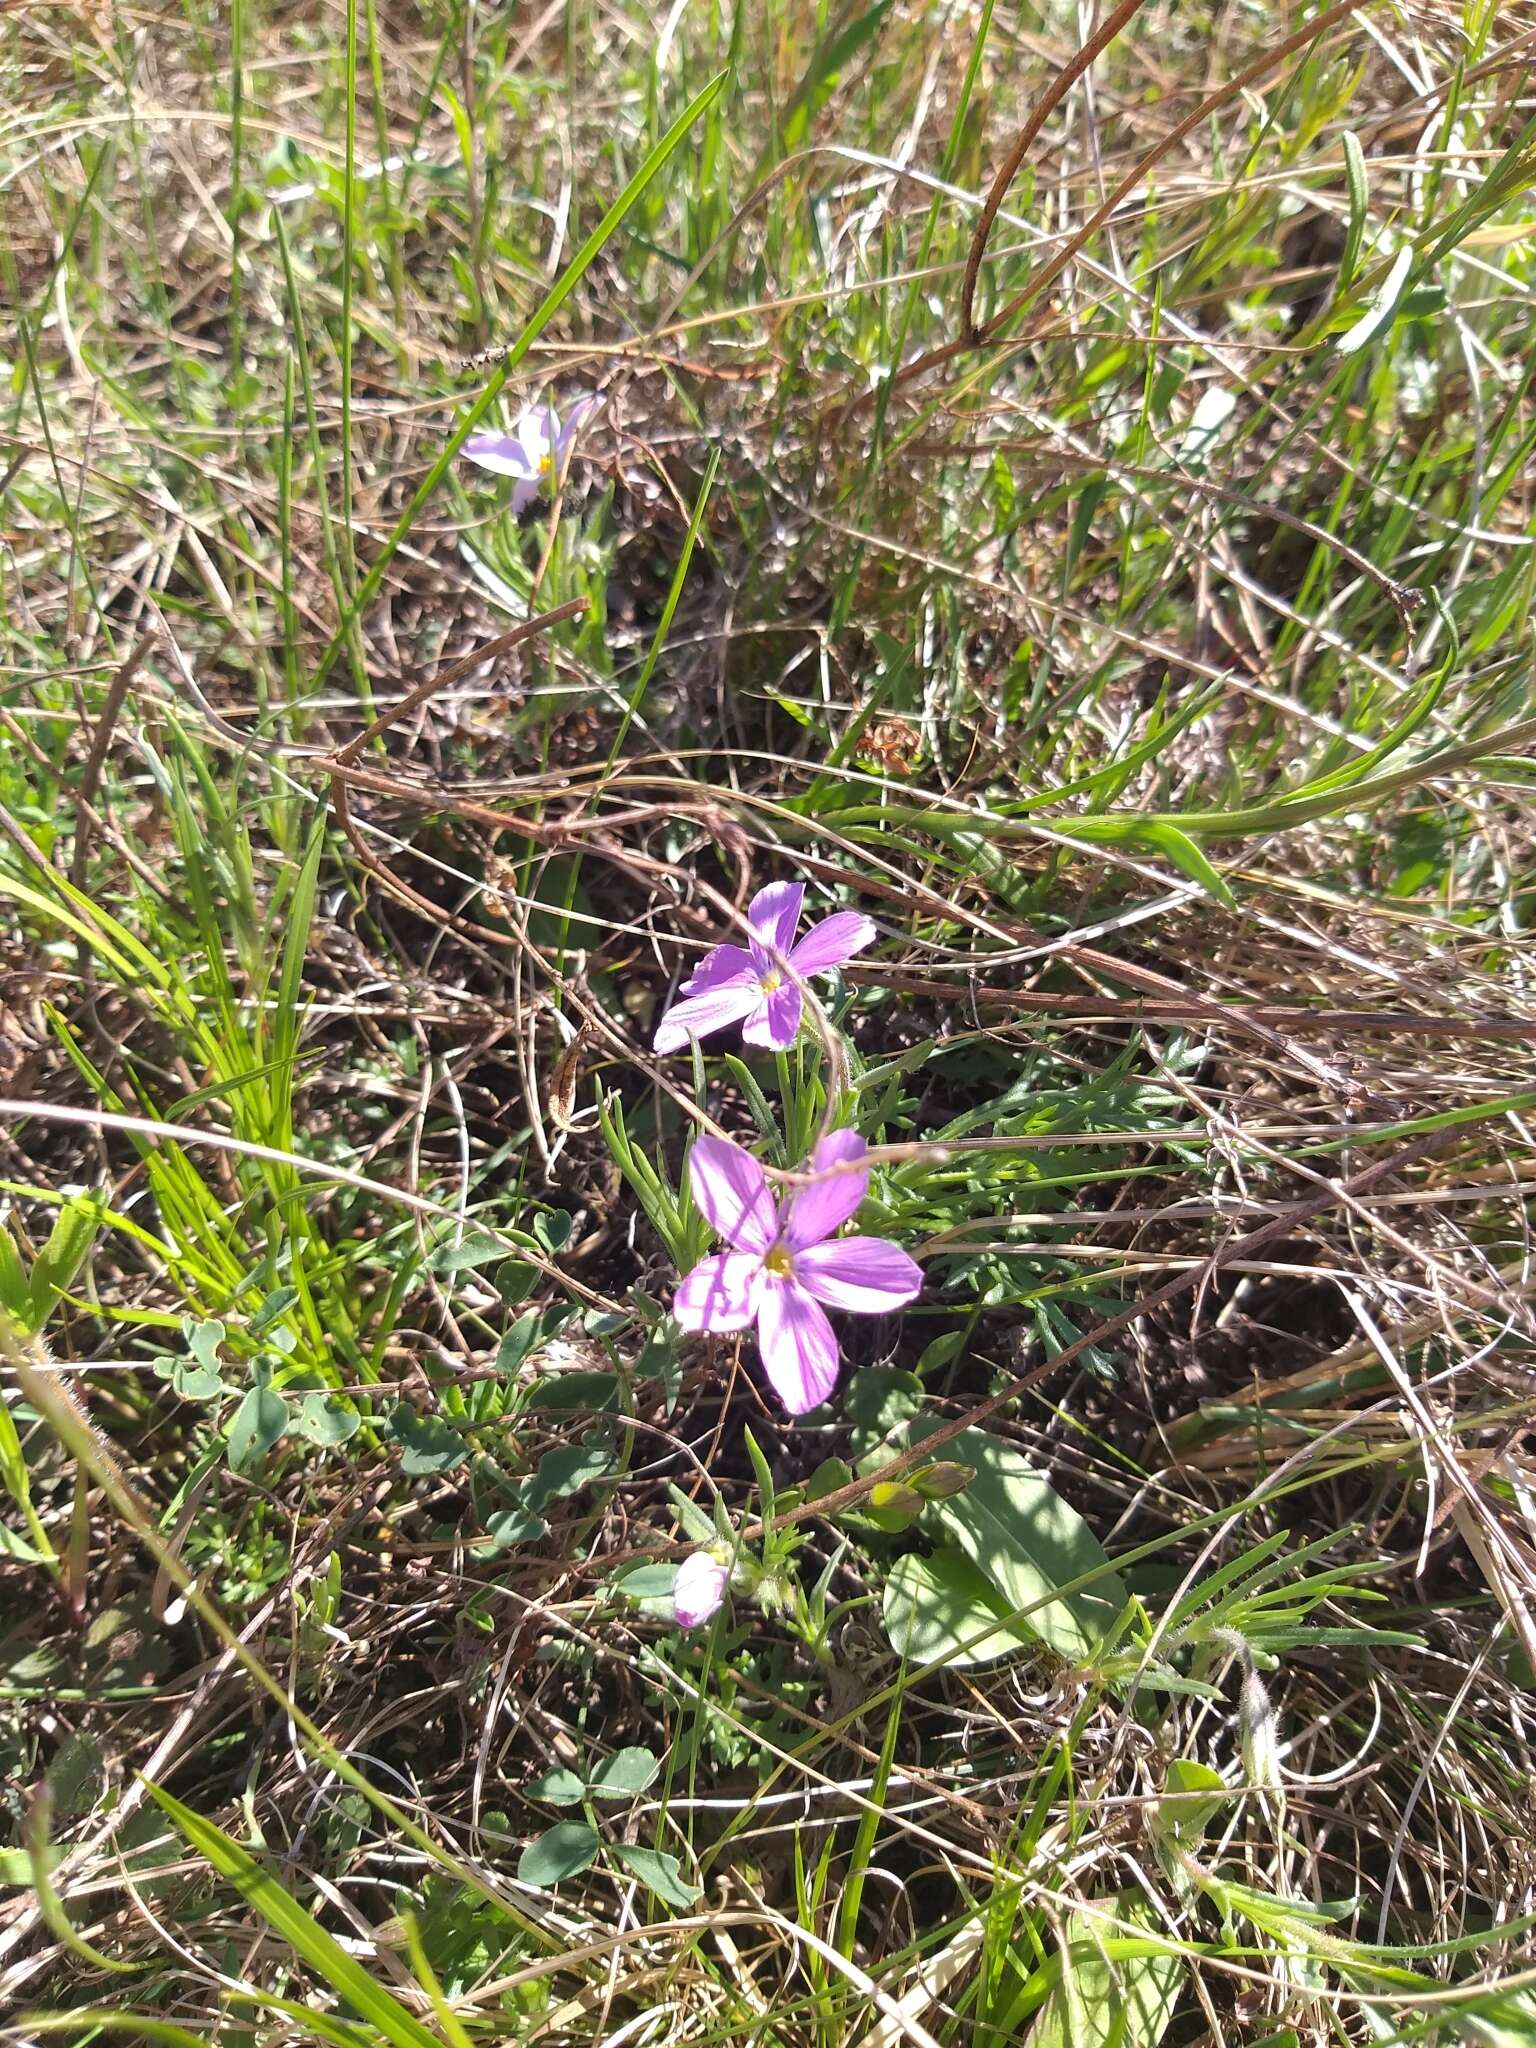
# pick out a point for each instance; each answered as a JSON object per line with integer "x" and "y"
{"x": 297, "y": 1926}
{"x": 567, "y": 282}
{"x": 92, "y": 2019}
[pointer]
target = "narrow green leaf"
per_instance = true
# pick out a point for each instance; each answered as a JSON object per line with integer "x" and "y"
{"x": 17, "y": 1481}
{"x": 298, "y": 917}
{"x": 763, "y": 1475}
{"x": 1188, "y": 858}
{"x": 461, "y": 122}
{"x": 828, "y": 60}
{"x": 1379, "y": 313}
{"x": 69, "y": 1243}
{"x": 297, "y": 1926}
{"x": 19, "y": 1551}
{"x": 272, "y": 1308}
{"x": 92, "y": 2019}
{"x": 15, "y": 1296}
{"x": 1359, "y": 208}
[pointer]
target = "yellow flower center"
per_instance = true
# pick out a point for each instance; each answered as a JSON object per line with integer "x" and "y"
{"x": 778, "y": 1262}
{"x": 771, "y": 982}
{"x": 546, "y": 464}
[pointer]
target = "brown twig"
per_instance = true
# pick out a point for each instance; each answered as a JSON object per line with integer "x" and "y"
{"x": 95, "y": 760}
{"x": 1008, "y": 170}
{"x": 1330, "y": 1195}
{"x": 1191, "y": 1009}
{"x": 414, "y": 699}
{"x": 1048, "y": 272}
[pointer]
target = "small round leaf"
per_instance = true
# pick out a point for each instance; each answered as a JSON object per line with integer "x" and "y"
{"x": 565, "y": 1850}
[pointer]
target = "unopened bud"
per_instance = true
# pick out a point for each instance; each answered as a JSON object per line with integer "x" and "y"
{"x": 1258, "y": 1733}
{"x": 943, "y": 1481}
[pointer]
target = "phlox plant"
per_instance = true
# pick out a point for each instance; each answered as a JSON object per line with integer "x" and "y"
{"x": 786, "y": 1266}
{"x": 759, "y": 985}
{"x": 785, "y": 1261}
{"x": 535, "y": 453}
{"x": 724, "y": 1571}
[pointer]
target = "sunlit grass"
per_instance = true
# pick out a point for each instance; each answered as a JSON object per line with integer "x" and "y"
{"x": 1155, "y": 675}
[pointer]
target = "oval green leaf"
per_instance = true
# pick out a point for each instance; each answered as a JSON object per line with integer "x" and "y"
{"x": 428, "y": 1444}
{"x": 558, "y": 1788}
{"x": 663, "y": 1873}
{"x": 940, "y": 1610}
{"x": 326, "y": 1421}
{"x": 565, "y": 1850}
{"x": 255, "y": 1427}
{"x": 1118, "y": 1984}
{"x": 624, "y": 1775}
{"x": 1018, "y": 1531}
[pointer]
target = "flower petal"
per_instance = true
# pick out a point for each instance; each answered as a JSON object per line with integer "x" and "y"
{"x": 731, "y": 1193}
{"x": 699, "y": 1589}
{"x": 835, "y": 939}
{"x": 774, "y": 913}
{"x": 580, "y": 411}
{"x": 815, "y": 1212}
{"x": 776, "y": 1021}
{"x": 503, "y": 454}
{"x": 537, "y": 431}
{"x": 720, "y": 1293}
{"x": 798, "y": 1348}
{"x": 697, "y": 1016}
{"x": 868, "y": 1275}
{"x": 719, "y": 965}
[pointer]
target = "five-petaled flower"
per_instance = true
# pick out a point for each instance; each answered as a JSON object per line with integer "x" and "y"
{"x": 534, "y": 452}
{"x": 785, "y": 1268}
{"x": 759, "y": 985}
{"x": 699, "y": 1589}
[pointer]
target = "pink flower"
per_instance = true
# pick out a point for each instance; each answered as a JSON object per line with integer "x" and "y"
{"x": 534, "y": 452}
{"x": 735, "y": 982}
{"x": 699, "y": 1589}
{"x": 784, "y": 1263}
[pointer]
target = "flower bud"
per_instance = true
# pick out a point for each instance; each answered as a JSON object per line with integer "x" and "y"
{"x": 700, "y": 1587}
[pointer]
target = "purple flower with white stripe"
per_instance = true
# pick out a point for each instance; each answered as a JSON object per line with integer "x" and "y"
{"x": 758, "y": 985}
{"x": 534, "y": 452}
{"x": 785, "y": 1268}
